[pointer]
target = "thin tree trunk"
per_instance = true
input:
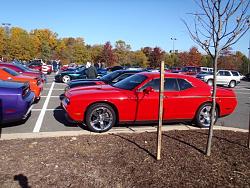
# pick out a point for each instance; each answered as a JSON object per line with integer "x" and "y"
{"x": 210, "y": 134}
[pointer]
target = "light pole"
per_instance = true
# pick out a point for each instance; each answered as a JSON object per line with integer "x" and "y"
{"x": 248, "y": 66}
{"x": 6, "y": 27}
{"x": 173, "y": 39}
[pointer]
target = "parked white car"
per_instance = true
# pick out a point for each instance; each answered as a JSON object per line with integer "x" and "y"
{"x": 206, "y": 69}
{"x": 227, "y": 78}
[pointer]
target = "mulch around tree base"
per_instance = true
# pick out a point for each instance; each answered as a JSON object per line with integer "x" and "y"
{"x": 127, "y": 160}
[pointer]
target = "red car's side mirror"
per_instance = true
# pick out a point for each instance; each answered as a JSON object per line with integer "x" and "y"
{"x": 148, "y": 90}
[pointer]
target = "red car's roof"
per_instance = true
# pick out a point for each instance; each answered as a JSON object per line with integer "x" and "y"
{"x": 194, "y": 80}
{"x": 170, "y": 75}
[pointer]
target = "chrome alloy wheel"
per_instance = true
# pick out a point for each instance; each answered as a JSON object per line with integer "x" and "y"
{"x": 205, "y": 115}
{"x": 66, "y": 79}
{"x": 101, "y": 118}
{"x": 232, "y": 84}
{"x": 210, "y": 82}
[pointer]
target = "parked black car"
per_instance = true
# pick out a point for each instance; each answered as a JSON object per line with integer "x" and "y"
{"x": 247, "y": 77}
{"x": 110, "y": 78}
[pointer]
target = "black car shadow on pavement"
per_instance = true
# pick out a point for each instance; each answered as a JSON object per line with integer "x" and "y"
{"x": 13, "y": 124}
{"x": 61, "y": 116}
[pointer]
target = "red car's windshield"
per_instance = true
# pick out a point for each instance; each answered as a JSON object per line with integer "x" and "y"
{"x": 131, "y": 82}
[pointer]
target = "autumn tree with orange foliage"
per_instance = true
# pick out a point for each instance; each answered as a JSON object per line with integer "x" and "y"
{"x": 20, "y": 44}
{"x": 44, "y": 42}
{"x": 154, "y": 55}
{"x": 107, "y": 55}
{"x": 191, "y": 58}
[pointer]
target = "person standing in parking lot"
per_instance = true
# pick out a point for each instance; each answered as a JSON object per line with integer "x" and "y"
{"x": 91, "y": 71}
{"x": 54, "y": 64}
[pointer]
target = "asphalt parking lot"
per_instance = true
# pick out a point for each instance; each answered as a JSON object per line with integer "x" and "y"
{"x": 48, "y": 116}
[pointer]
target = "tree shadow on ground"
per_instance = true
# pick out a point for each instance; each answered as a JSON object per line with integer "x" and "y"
{"x": 222, "y": 139}
{"x": 61, "y": 116}
{"x": 184, "y": 142}
{"x": 22, "y": 180}
{"x": 136, "y": 144}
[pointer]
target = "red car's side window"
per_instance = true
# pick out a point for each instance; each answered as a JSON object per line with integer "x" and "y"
{"x": 169, "y": 85}
{"x": 152, "y": 83}
{"x": 183, "y": 84}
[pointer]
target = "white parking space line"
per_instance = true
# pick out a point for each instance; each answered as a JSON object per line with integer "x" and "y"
{"x": 49, "y": 109}
{"x": 50, "y": 96}
{"x": 53, "y": 89}
{"x": 243, "y": 93}
{"x": 242, "y": 89}
{"x": 42, "y": 113}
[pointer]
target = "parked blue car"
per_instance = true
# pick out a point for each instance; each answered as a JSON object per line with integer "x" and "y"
{"x": 16, "y": 100}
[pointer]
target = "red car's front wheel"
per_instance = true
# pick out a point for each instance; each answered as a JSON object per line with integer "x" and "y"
{"x": 100, "y": 117}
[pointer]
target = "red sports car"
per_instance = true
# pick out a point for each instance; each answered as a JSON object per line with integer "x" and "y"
{"x": 136, "y": 98}
{"x": 24, "y": 70}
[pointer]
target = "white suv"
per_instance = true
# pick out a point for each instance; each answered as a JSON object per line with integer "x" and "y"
{"x": 227, "y": 78}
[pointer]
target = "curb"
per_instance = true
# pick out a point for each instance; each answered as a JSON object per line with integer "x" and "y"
{"x": 125, "y": 130}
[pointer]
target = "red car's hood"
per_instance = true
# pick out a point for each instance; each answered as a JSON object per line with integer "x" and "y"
{"x": 92, "y": 90}
{"x": 94, "y": 87}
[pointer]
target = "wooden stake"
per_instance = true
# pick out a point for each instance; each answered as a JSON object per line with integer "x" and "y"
{"x": 161, "y": 97}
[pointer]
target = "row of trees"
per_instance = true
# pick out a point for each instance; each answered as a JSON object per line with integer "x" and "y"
{"x": 17, "y": 43}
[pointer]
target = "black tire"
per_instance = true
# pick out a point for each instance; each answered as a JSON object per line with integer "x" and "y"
{"x": 100, "y": 117}
{"x": 232, "y": 84}
{"x": 203, "y": 115}
{"x": 210, "y": 82}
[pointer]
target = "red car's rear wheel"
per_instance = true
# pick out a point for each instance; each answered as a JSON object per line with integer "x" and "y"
{"x": 203, "y": 115}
